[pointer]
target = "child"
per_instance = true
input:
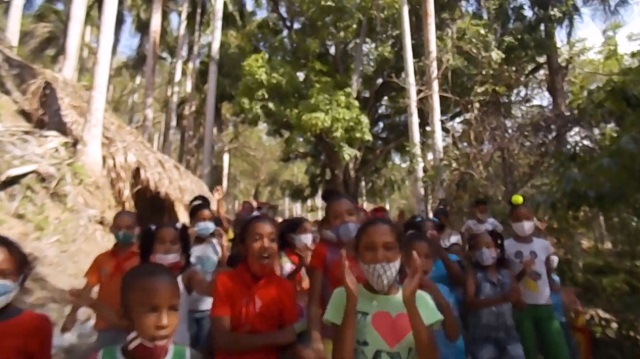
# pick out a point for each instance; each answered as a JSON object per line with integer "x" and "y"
{"x": 380, "y": 319}
{"x": 254, "y": 310}
{"x": 450, "y": 239}
{"x": 481, "y": 220}
{"x": 490, "y": 292}
{"x": 295, "y": 241}
{"x": 448, "y": 338}
{"x": 336, "y": 233}
{"x": 558, "y": 306}
{"x": 23, "y": 334}
{"x": 207, "y": 254}
{"x": 528, "y": 258}
{"x": 150, "y": 296}
{"x": 170, "y": 245}
{"x": 106, "y": 272}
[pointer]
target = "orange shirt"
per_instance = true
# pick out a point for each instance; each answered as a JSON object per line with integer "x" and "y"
{"x": 254, "y": 307}
{"x": 107, "y": 271}
{"x": 26, "y": 336}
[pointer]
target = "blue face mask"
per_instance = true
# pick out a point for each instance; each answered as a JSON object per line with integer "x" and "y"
{"x": 204, "y": 229}
{"x": 346, "y": 232}
{"x": 8, "y": 290}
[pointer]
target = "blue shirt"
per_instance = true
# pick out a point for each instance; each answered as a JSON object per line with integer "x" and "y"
{"x": 556, "y": 301}
{"x": 447, "y": 349}
{"x": 440, "y": 275}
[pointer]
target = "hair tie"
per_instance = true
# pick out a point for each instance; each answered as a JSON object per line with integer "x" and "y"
{"x": 517, "y": 200}
{"x": 153, "y": 227}
{"x": 179, "y": 225}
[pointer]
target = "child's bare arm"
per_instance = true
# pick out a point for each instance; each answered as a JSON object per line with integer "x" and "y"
{"x": 70, "y": 320}
{"x": 197, "y": 283}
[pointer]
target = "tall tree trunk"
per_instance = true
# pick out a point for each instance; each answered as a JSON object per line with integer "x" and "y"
{"x": 412, "y": 110}
{"x": 153, "y": 45}
{"x": 430, "y": 45}
{"x": 356, "y": 76}
{"x": 90, "y": 151}
{"x": 188, "y": 121}
{"x": 14, "y": 22}
{"x": 73, "y": 40}
{"x": 225, "y": 168}
{"x": 210, "y": 109}
{"x": 133, "y": 104}
{"x": 84, "y": 66}
{"x": 557, "y": 73}
{"x": 172, "y": 107}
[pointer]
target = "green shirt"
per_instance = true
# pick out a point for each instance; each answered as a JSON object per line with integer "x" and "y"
{"x": 383, "y": 330}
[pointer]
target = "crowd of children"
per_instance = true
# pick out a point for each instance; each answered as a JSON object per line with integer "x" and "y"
{"x": 355, "y": 285}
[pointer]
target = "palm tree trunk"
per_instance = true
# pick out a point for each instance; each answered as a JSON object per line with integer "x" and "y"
{"x": 155, "y": 27}
{"x": 430, "y": 45}
{"x": 73, "y": 41}
{"x": 133, "y": 104}
{"x": 90, "y": 151}
{"x": 14, "y": 22}
{"x": 210, "y": 109}
{"x": 412, "y": 110}
{"x": 172, "y": 107}
{"x": 188, "y": 121}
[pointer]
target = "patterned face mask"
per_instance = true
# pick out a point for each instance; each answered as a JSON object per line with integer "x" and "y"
{"x": 381, "y": 276}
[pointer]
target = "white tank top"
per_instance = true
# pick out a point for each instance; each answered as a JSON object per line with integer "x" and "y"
{"x": 182, "y": 333}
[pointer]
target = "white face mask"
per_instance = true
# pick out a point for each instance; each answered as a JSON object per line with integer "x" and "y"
{"x": 302, "y": 241}
{"x": 381, "y": 275}
{"x": 524, "y": 228}
{"x": 346, "y": 232}
{"x": 486, "y": 256}
{"x": 166, "y": 259}
{"x": 8, "y": 291}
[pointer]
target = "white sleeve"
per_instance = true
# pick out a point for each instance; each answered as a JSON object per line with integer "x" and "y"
{"x": 496, "y": 225}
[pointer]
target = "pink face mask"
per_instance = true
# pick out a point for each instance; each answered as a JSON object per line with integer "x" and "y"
{"x": 139, "y": 348}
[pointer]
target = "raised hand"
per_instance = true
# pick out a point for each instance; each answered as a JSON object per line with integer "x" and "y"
{"x": 528, "y": 265}
{"x": 414, "y": 278}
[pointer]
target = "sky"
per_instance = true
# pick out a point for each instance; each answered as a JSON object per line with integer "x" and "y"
{"x": 587, "y": 28}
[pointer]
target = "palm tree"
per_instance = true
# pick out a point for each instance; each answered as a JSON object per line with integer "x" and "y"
{"x": 210, "y": 107}
{"x": 14, "y": 22}
{"x": 73, "y": 43}
{"x": 412, "y": 108}
{"x": 90, "y": 151}
{"x": 174, "y": 90}
{"x": 153, "y": 44}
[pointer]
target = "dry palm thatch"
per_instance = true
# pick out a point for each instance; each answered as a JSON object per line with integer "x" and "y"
{"x": 136, "y": 172}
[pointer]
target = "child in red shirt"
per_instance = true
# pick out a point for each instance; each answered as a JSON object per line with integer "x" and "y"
{"x": 338, "y": 229}
{"x": 23, "y": 334}
{"x": 254, "y": 310}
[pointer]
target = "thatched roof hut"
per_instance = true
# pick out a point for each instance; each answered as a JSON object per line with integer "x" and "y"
{"x": 141, "y": 178}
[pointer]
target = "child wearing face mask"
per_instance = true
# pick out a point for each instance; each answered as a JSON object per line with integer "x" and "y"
{"x": 528, "y": 256}
{"x": 295, "y": 241}
{"x": 207, "y": 254}
{"x": 379, "y": 318}
{"x": 106, "y": 273}
{"x": 170, "y": 245}
{"x": 448, "y": 337}
{"x": 23, "y": 334}
{"x": 254, "y": 311}
{"x": 489, "y": 295}
{"x": 481, "y": 220}
{"x": 150, "y": 296}
{"x": 337, "y": 232}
